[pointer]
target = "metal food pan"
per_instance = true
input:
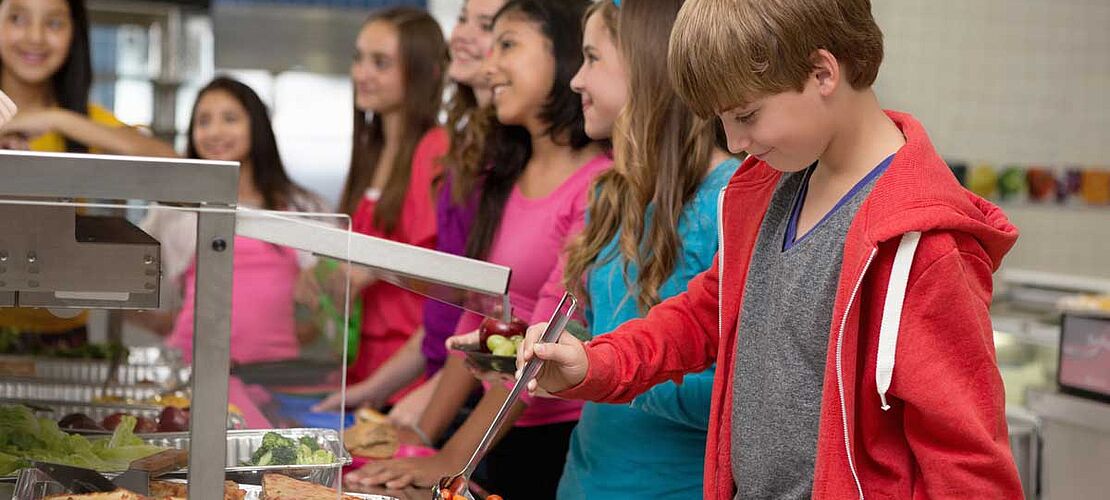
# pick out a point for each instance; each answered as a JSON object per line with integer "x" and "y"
{"x": 31, "y": 389}
{"x": 153, "y": 365}
{"x": 242, "y": 443}
{"x": 97, "y": 411}
{"x": 254, "y": 492}
{"x": 34, "y": 484}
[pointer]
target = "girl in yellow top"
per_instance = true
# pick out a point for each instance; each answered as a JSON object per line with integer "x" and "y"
{"x": 46, "y": 70}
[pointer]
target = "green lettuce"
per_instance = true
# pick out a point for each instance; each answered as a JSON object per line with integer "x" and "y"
{"x": 24, "y": 438}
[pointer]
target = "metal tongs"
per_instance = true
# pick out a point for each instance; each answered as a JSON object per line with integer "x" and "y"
{"x": 458, "y": 484}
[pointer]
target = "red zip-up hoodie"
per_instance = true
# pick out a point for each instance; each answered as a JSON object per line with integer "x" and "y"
{"x": 912, "y": 409}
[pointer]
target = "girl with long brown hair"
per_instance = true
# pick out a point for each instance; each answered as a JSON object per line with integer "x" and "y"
{"x": 398, "y": 72}
{"x": 652, "y": 227}
{"x": 455, "y": 207}
{"x": 230, "y": 123}
{"x": 538, "y": 164}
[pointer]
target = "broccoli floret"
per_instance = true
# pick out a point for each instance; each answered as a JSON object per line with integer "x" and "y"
{"x": 274, "y": 440}
{"x": 314, "y": 457}
{"x": 280, "y": 450}
{"x": 257, "y": 456}
{"x": 266, "y": 458}
{"x": 309, "y": 442}
{"x": 304, "y": 455}
{"x": 322, "y": 457}
{"x": 284, "y": 455}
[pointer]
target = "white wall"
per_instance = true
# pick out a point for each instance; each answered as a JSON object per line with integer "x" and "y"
{"x": 445, "y": 11}
{"x": 1012, "y": 81}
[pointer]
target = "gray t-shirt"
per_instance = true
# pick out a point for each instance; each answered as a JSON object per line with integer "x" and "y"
{"x": 781, "y": 343}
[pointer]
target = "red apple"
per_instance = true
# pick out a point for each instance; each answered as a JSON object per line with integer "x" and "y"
{"x": 173, "y": 419}
{"x": 112, "y": 421}
{"x": 493, "y": 326}
{"x": 144, "y": 425}
{"x": 79, "y": 421}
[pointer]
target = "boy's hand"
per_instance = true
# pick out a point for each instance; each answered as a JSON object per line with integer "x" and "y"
{"x": 565, "y": 362}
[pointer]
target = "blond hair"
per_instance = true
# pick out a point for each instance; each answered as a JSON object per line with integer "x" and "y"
{"x": 661, "y": 150}
{"x": 727, "y": 53}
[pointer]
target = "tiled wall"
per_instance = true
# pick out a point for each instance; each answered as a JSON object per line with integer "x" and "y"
{"x": 1012, "y": 81}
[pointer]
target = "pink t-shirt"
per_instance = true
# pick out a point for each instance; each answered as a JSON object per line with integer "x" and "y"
{"x": 530, "y": 241}
{"x": 262, "y": 326}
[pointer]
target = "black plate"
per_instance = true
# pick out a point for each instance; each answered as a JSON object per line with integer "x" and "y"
{"x": 285, "y": 373}
{"x": 489, "y": 362}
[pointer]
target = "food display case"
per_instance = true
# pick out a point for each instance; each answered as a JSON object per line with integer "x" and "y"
{"x": 65, "y": 246}
{"x": 1043, "y": 323}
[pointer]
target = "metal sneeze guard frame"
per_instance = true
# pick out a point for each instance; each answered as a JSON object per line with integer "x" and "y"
{"x": 209, "y": 184}
{"x": 212, "y": 187}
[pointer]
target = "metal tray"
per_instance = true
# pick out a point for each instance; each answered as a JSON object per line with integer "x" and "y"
{"x": 151, "y": 365}
{"x": 254, "y": 492}
{"x": 33, "y": 389}
{"x": 97, "y": 411}
{"x": 242, "y": 443}
{"x": 34, "y": 484}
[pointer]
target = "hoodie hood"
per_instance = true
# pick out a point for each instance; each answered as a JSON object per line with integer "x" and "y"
{"x": 918, "y": 193}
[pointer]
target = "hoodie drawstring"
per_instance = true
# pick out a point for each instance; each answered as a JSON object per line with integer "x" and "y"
{"x": 892, "y": 313}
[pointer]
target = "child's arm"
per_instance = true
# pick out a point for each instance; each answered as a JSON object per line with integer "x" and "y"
{"x": 686, "y": 403}
{"x": 947, "y": 383}
{"x": 456, "y": 384}
{"x": 112, "y": 140}
{"x": 398, "y": 371}
{"x": 677, "y": 337}
{"x": 7, "y": 108}
{"x": 425, "y": 471}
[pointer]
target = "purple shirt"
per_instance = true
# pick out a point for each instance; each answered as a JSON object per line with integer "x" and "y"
{"x": 453, "y": 223}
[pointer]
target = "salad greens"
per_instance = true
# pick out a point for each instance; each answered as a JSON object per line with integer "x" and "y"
{"x": 24, "y": 437}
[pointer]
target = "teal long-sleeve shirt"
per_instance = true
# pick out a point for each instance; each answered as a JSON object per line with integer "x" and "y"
{"x": 655, "y": 446}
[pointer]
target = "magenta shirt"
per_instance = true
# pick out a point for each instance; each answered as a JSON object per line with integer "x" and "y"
{"x": 262, "y": 326}
{"x": 530, "y": 241}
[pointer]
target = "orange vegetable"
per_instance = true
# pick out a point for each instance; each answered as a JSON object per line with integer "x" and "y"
{"x": 494, "y": 497}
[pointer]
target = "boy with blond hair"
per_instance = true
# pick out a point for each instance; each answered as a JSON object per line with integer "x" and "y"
{"x": 846, "y": 244}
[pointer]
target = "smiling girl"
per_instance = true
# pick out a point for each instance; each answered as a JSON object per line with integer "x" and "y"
{"x": 540, "y": 163}
{"x": 457, "y": 192}
{"x": 398, "y": 71}
{"x": 230, "y": 123}
{"x": 46, "y": 68}
{"x": 652, "y": 227}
